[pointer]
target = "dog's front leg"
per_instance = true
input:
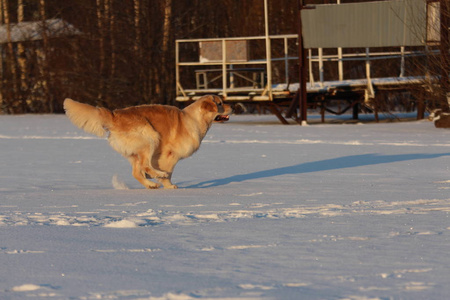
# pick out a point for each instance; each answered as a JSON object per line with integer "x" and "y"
{"x": 166, "y": 162}
{"x": 167, "y": 183}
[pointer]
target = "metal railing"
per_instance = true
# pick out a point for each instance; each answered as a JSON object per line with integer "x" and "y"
{"x": 266, "y": 93}
{"x": 367, "y": 57}
{"x": 270, "y": 90}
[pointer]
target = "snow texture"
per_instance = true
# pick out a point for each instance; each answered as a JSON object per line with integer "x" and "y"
{"x": 264, "y": 211}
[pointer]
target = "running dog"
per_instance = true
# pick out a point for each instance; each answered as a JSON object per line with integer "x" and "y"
{"x": 152, "y": 137}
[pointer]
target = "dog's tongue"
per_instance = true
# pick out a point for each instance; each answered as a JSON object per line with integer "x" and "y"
{"x": 222, "y": 118}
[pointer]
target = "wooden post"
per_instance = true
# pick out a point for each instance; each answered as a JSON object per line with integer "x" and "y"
{"x": 302, "y": 68}
{"x": 370, "y": 90}
{"x": 286, "y": 61}
{"x": 402, "y": 62}
{"x": 340, "y": 65}
{"x": 177, "y": 68}
{"x": 224, "y": 69}
{"x": 311, "y": 76}
{"x": 444, "y": 48}
{"x": 340, "y": 62}
{"x": 268, "y": 50}
{"x": 321, "y": 71}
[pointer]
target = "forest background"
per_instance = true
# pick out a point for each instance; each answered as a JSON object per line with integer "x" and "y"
{"x": 118, "y": 53}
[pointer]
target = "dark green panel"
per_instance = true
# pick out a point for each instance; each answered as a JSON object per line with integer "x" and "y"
{"x": 370, "y": 24}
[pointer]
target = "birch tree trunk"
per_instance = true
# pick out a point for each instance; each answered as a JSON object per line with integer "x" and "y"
{"x": 21, "y": 59}
{"x": 21, "y": 49}
{"x": 167, "y": 27}
{"x": 165, "y": 54}
{"x": 444, "y": 55}
{"x": 1, "y": 64}
{"x": 44, "y": 67}
{"x": 140, "y": 84}
{"x": 101, "y": 40}
{"x": 11, "y": 60}
{"x": 137, "y": 28}
{"x": 112, "y": 30}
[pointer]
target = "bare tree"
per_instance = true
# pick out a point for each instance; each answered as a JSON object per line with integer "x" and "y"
{"x": 166, "y": 39}
{"x": 44, "y": 60}
{"x": 167, "y": 26}
{"x": 125, "y": 54}
{"x": 137, "y": 28}
{"x": 109, "y": 12}
{"x": 21, "y": 49}
{"x": 444, "y": 53}
{"x": 11, "y": 60}
{"x": 437, "y": 64}
{"x": 2, "y": 77}
{"x": 100, "y": 8}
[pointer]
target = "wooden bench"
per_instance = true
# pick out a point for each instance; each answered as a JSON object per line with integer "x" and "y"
{"x": 257, "y": 78}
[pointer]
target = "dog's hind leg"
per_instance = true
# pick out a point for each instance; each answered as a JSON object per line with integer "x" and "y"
{"x": 139, "y": 172}
{"x": 147, "y": 165}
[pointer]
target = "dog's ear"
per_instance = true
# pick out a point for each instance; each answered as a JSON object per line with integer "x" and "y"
{"x": 208, "y": 106}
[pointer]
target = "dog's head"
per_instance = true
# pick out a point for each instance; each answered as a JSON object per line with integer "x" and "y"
{"x": 214, "y": 109}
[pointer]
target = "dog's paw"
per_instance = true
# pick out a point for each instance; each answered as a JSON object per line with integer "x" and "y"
{"x": 161, "y": 174}
{"x": 151, "y": 174}
{"x": 153, "y": 186}
{"x": 171, "y": 187}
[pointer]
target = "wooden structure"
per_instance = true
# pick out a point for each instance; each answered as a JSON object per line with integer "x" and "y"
{"x": 254, "y": 71}
{"x": 239, "y": 70}
{"x": 35, "y": 31}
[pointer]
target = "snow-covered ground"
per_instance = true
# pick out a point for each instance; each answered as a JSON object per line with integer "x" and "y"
{"x": 264, "y": 211}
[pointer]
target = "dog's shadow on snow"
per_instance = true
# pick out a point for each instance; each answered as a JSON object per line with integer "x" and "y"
{"x": 351, "y": 161}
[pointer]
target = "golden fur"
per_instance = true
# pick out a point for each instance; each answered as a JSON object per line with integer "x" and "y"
{"x": 152, "y": 137}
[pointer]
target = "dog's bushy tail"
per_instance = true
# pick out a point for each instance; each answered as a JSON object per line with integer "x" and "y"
{"x": 91, "y": 119}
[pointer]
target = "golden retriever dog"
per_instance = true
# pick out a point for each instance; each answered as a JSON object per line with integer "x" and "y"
{"x": 152, "y": 137}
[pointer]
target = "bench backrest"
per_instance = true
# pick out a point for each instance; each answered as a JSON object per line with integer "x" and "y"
{"x": 211, "y": 51}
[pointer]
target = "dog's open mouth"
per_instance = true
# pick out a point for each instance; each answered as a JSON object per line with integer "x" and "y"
{"x": 222, "y": 118}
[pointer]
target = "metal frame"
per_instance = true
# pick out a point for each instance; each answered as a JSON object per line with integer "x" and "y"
{"x": 284, "y": 90}
{"x": 368, "y": 57}
{"x": 267, "y": 93}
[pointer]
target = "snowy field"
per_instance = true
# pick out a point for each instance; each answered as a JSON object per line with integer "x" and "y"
{"x": 264, "y": 211}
